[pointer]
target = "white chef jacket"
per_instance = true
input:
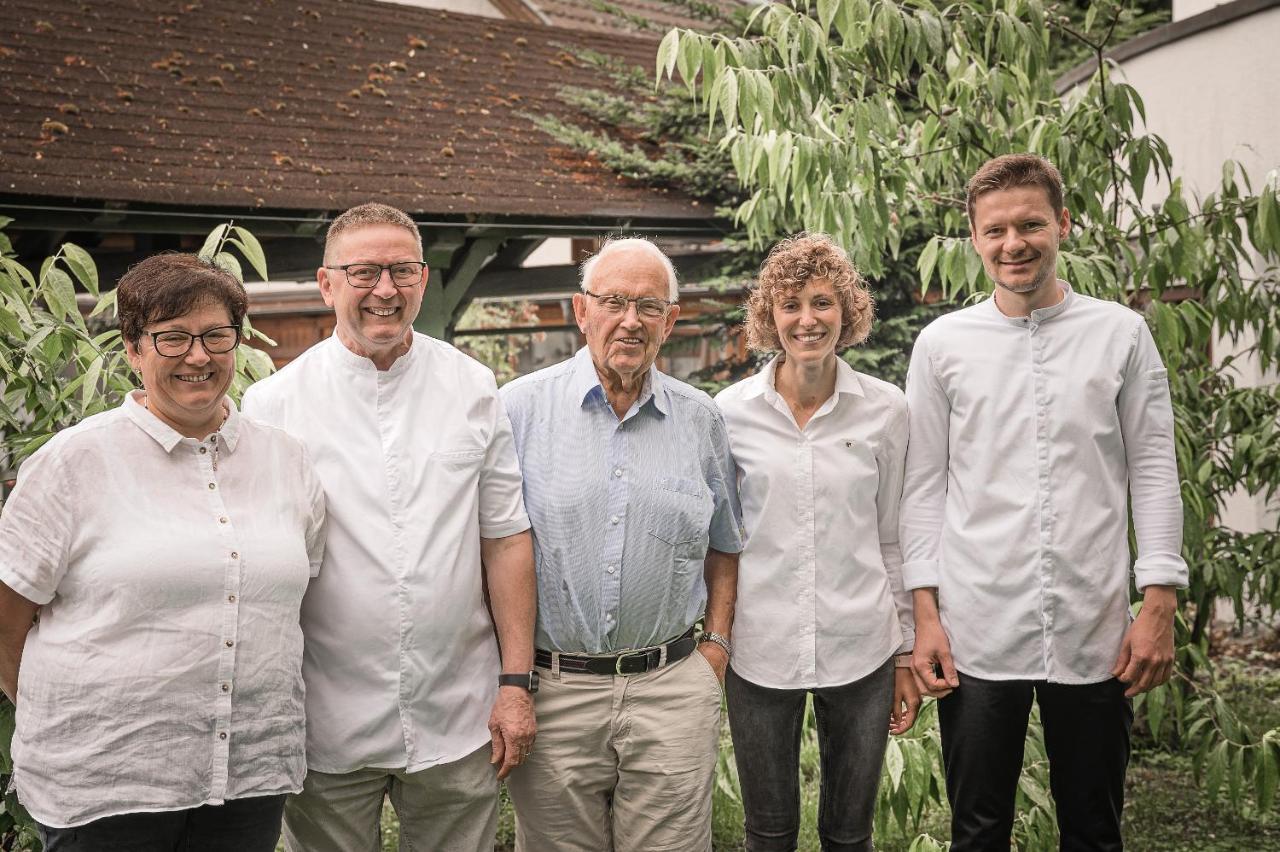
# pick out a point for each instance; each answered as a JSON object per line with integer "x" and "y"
{"x": 165, "y": 670}
{"x": 1026, "y": 434}
{"x": 417, "y": 463}
{"x": 820, "y": 595}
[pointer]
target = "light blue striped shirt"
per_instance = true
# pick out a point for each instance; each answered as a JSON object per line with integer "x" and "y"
{"x": 623, "y": 511}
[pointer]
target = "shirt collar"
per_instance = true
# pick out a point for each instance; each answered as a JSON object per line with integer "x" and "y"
{"x": 168, "y": 437}
{"x": 351, "y": 360}
{"x": 1041, "y": 314}
{"x": 765, "y": 382}
{"x": 586, "y": 380}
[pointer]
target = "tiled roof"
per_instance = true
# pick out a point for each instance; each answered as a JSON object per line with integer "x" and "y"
{"x": 301, "y": 105}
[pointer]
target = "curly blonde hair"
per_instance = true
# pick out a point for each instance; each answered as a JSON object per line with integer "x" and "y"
{"x": 795, "y": 262}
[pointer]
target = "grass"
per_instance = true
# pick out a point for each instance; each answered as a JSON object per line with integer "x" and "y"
{"x": 1165, "y": 811}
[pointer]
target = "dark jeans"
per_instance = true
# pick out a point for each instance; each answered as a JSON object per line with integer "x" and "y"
{"x": 853, "y": 722}
{"x": 240, "y": 825}
{"x": 1086, "y": 734}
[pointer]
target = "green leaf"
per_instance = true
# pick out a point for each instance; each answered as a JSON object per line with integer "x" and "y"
{"x": 252, "y": 251}
{"x": 893, "y": 762}
{"x": 826, "y": 13}
{"x": 666, "y": 61}
{"x": 227, "y": 261}
{"x": 1267, "y": 774}
{"x": 212, "y": 243}
{"x": 60, "y": 294}
{"x": 1217, "y": 769}
{"x": 82, "y": 266}
{"x": 1155, "y": 704}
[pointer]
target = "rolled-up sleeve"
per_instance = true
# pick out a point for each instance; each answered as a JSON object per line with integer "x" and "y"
{"x": 1146, "y": 422}
{"x": 36, "y": 528}
{"x": 502, "y": 511}
{"x": 924, "y": 489}
{"x": 725, "y": 533}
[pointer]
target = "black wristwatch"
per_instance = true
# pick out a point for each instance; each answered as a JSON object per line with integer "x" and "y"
{"x": 527, "y": 681}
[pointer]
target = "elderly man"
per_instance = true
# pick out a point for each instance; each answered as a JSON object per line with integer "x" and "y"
{"x": 1037, "y": 418}
{"x": 628, "y": 481}
{"x": 426, "y": 523}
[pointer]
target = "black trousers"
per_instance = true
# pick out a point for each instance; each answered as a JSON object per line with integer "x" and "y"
{"x": 240, "y": 825}
{"x": 1086, "y": 734}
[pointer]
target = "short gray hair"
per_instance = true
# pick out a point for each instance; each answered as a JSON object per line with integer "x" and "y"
{"x": 373, "y": 213}
{"x": 618, "y": 244}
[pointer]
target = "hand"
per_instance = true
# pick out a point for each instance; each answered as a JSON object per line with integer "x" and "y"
{"x": 716, "y": 656}
{"x": 1146, "y": 654}
{"x": 906, "y": 702}
{"x": 512, "y": 728}
{"x": 932, "y": 648}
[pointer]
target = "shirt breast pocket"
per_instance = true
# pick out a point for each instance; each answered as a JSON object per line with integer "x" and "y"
{"x": 459, "y": 460}
{"x": 681, "y": 516}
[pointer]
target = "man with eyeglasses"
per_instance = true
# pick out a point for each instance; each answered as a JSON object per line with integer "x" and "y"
{"x": 407, "y": 693}
{"x": 631, "y": 489}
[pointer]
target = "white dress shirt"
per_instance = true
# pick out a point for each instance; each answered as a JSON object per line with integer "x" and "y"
{"x": 820, "y": 595}
{"x": 1027, "y": 435}
{"x": 165, "y": 670}
{"x": 417, "y": 464}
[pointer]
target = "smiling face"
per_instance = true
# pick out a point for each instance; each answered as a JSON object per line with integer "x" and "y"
{"x": 808, "y": 321}
{"x": 376, "y": 323}
{"x": 186, "y": 391}
{"x": 1016, "y": 233}
{"x": 625, "y": 345}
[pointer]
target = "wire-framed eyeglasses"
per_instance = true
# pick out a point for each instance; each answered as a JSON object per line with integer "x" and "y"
{"x": 175, "y": 344}
{"x": 405, "y": 273}
{"x": 646, "y": 306}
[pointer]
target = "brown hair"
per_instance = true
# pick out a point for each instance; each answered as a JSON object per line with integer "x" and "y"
{"x": 795, "y": 262}
{"x": 1012, "y": 170}
{"x": 364, "y": 215}
{"x": 167, "y": 286}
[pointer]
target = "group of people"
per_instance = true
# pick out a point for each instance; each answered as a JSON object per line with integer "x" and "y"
{"x": 387, "y": 578}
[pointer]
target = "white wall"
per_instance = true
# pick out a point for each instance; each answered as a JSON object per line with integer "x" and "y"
{"x": 1212, "y": 96}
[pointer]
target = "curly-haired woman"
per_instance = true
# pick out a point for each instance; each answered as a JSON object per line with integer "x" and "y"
{"x": 821, "y": 608}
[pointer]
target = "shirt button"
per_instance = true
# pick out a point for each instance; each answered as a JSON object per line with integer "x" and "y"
{"x": 235, "y": 555}
{"x": 611, "y": 568}
{"x": 222, "y": 735}
{"x": 212, "y": 486}
{"x": 226, "y": 687}
{"x": 229, "y": 643}
{"x": 231, "y": 598}
{"x": 203, "y": 450}
{"x": 222, "y": 520}
{"x": 614, "y": 519}
{"x": 617, "y": 471}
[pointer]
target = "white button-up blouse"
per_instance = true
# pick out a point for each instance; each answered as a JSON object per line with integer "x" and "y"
{"x": 418, "y": 464}
{"x": 165, "y": 671}
{"x": 1029, "y": 436}
{"x": 820, "y": 595}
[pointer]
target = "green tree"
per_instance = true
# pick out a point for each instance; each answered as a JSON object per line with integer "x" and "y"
{"x": 864, "y": 118}
{"x": 59, "y": 366}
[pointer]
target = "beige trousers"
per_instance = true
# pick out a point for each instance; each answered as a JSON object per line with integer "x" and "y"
{"x": 452, "y": 807}
{"x": 621, "y": 763}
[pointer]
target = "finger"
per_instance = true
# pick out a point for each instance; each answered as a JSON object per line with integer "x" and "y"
{"x": 923, "y": 671}
{"x": 1122, "y": 661}
{"x": 949, "y": 669}
{"x": 498, "y": 749}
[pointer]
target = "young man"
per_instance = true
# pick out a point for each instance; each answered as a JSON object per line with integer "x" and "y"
{"x": 1036, "y": 416}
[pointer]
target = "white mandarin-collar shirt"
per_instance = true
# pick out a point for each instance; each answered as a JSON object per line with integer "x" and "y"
{"x": 821, "y": 600}
{"x": 417, "y": 464}
{"x": 1028, "y": 434}
{"x": 165, "y": 670}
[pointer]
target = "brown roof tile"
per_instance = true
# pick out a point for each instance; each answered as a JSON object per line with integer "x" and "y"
{"x": 301, "y": 105}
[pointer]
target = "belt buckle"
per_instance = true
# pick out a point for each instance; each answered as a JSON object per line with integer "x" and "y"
{"x": 617, "y": 664}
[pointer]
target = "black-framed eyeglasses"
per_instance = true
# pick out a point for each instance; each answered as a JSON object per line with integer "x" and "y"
{"x": 406, "y": 273}
{"x": 175, "y": 344}
{"x": 646, "y": 306}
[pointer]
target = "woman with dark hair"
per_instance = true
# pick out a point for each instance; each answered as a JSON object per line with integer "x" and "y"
{"x": 821, "y": 609}
{"x": 153, "y": 560}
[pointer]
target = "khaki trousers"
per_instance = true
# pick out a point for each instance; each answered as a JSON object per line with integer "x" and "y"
{"x": 621, "y": 763}
{"x": 452, "y": 807}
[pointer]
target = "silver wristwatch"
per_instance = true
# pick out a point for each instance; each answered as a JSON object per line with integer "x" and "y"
{"x": 718, "y": 639}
